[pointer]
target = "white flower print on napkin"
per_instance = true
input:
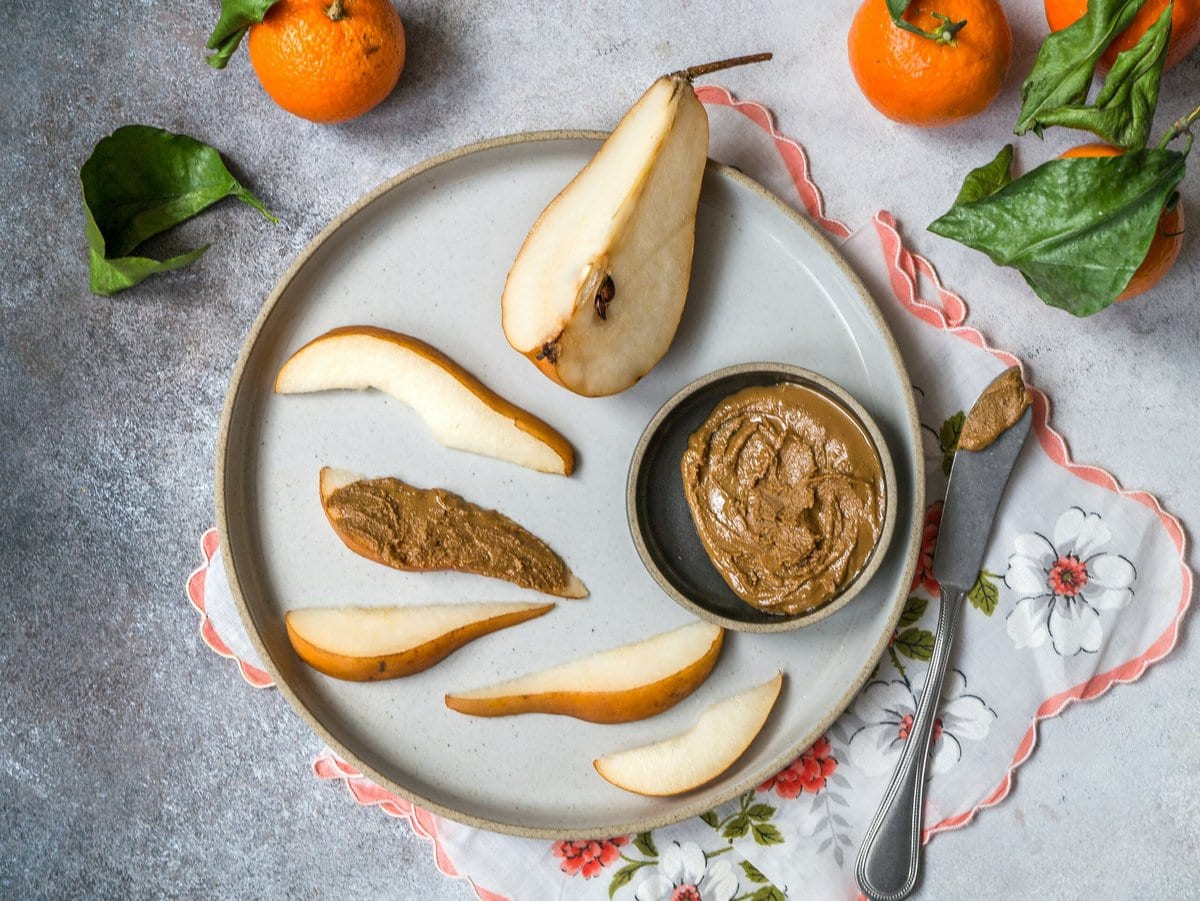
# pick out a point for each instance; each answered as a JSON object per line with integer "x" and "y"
{"x": 887, "y": 710}
{"x": 1065, "y": 583}
{"x": 683, "y": 873}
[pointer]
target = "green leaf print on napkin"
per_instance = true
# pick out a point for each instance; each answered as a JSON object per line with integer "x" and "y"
{"x": 985, "y": 593}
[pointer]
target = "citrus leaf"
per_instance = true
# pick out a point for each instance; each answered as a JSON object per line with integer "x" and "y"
{"x": 235, "y": 20}
{"x": 916, "y": 644}
{"x": 914, "y": 609}
{"x": 984, "y": 593}
{"x": 1123, "y": 111}
{"x": 985, "y": 181}
{"x": 1076, "y": 229}
{"x": 1062, "y": 72}
{"x": 139, "y": 182}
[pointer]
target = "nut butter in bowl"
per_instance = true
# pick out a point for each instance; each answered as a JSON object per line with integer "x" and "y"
{"x": 780, "y": 503}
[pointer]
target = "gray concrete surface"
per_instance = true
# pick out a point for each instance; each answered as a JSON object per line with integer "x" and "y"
{"x": 132, "y": 763}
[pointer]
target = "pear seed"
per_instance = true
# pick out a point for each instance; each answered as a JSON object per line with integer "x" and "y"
{"x": 605, "y": 296}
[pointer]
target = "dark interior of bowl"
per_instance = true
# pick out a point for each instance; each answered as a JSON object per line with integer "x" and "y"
{"x": 662, "y": 512}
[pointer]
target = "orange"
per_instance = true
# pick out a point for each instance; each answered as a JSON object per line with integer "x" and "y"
{"x": 328, "y": 60}
{"x": 921, "y": 81}
{"x": 1168, "y": 238}
{"x": 1185, "y": 26}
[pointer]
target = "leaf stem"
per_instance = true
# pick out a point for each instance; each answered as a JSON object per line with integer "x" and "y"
{"x": 944, "y": 33}
{"x": 1180, "y": 126}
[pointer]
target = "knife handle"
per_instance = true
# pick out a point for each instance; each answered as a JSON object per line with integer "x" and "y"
{"x": 891, "y": 850}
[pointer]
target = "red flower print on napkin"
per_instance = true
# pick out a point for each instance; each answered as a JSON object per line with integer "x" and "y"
{"x": 807, "y": 773}
{"x": 923, "y": 577}
{"x": 588, "y": 858}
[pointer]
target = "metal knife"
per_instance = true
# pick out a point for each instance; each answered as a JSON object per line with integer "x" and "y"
{"x": 890, "y": 854}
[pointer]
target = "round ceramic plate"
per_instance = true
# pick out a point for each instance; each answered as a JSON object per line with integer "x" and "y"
{"x": 427, "y": 254}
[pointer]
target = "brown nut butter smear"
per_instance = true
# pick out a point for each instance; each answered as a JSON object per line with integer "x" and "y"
{"x": 1000, "y": 405}
{"x": 409, "y": 528}
{"x": 786, "y": 490}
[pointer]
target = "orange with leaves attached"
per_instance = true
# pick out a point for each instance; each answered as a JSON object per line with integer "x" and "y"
{"x": 1185, "y": 26}
{"x": 928, "y": 81}
{"x": 328, "y": 60}
{"x": 1168, "y": 237}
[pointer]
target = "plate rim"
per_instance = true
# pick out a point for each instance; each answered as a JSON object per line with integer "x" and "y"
{"x": 687, "y": 808}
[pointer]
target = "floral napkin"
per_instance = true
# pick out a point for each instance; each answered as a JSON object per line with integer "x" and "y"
{"x": 1084, "y": 585}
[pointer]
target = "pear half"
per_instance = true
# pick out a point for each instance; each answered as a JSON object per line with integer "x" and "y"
{"x": 459, "y": 409}
{"x": 675, "y": 765}
{"x": 363, "y": 644}
{"x": 596, "y": 292}
{"x": 626, "y": 683}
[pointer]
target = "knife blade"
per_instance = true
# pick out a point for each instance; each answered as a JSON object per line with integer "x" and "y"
{"x": 890, "y": 855}
{"x": 977, "y": 483}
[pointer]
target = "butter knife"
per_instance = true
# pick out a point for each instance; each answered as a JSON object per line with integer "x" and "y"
{"x": 889, "y": 858}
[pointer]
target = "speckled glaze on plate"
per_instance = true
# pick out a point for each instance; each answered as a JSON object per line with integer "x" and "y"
{"x": 427, "y": 253}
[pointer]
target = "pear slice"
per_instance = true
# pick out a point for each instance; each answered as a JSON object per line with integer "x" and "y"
{"x": 363, "y": 644}
{"x": 460, "y": 410}
{"x": 596, "y": 292}
{"x": 422, "y": 529}
{"x": 626, "y": 683}
{"x": 675, "y": 765}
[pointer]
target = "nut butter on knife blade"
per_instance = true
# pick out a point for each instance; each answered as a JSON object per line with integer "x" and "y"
{"x": 991, "y": 439}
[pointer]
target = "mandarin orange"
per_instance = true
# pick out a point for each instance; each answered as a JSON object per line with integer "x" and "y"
{"x": 1185, "y": 26}
{"x": 328, "y": 60}
{"x": 922, "y": 81}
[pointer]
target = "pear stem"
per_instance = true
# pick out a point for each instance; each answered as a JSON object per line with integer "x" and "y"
{"x": 696, "y": 71}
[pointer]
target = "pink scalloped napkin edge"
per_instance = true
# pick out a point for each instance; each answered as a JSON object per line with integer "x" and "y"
{"x": 1084, "y": 586}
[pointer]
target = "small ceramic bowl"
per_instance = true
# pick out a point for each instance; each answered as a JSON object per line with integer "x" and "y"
{"x": 661, "y": 521}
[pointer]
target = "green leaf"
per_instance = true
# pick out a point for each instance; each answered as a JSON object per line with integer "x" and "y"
{"x": 622, "y": 877}
{"x": 984, "y": 593}
{"x": 236, "y": 18}
{"x": 949, "y": 432}
{"x": 988, "y": 178}
{"x": 139, "y": 182}
{"x": 1076, "y": 229}
{"x": 1062, "y": 72}
{"x": 761, "y": 812}
{"x": 766, "y": 834}
{"x": 916, "y": 644}
{"x": 711, "y": 819}
{"x": 753, "y": 873}
{"x": 737, "y": 827}
{"x": 914, "y": 609}
{"x": 1123, "y": 111}
{"x": 768, "y": 893}
{"x": 645, "y": 843}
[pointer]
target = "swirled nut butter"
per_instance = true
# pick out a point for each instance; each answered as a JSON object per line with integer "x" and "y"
{"x": 787, "y": 493}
